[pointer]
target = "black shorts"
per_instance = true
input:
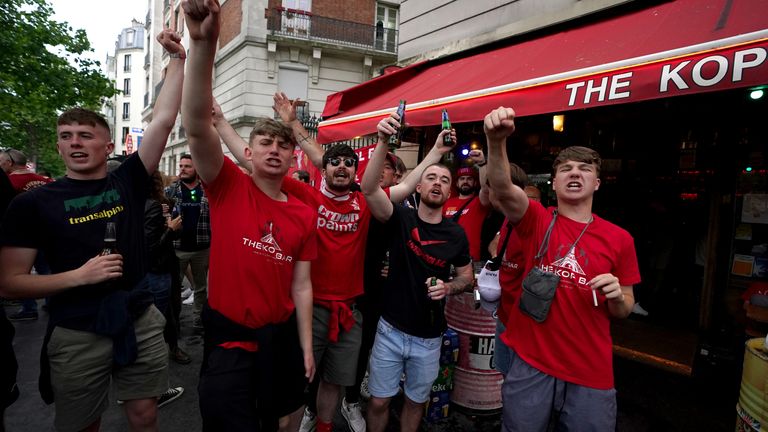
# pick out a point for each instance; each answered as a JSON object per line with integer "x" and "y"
{"x": 229, "y": 384}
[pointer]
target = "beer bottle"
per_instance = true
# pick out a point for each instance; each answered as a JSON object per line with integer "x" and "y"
{"x": 396, "y": 140}
{"x": 110, "y": 240}
{"x": 447, "y": 126}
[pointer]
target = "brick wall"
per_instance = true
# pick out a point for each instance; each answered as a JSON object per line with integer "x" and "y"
{"x": 361, "y": 11}
{"x": 231, "y": 20}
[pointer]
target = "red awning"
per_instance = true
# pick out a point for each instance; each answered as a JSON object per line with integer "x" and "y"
{"x": 675, "y": 48}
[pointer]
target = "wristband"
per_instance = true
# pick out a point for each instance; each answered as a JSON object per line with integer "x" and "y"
{"x": 174, "y": 55}
{"x": 485, "y": 162}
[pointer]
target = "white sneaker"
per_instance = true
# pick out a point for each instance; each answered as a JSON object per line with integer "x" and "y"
{"x": 186, "y": 293}
{"x": 352, "y": 414}
{"x": 190, "y": 300}
{"x": 637, "y": 309}
{"x": 308, "y": 422}
{"x": 365, "y": 392}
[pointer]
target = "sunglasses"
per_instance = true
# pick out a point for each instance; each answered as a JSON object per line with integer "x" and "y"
{"x": 349, "y": 163}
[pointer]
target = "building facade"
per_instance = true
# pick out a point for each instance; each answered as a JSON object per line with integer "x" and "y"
{"x": 129, "y": 81}
{"x": 307, "y": 49}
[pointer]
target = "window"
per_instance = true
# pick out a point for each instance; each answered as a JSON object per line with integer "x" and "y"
{"x": 130, "y": 38}
{"x": 126, "y": 110}
{"x": 296, "y": 22}
{"x": 292, "y": 79}
{"x": 386, "y": 27}
{"x": 305, "y": 5}
{"x": 127, "y": 86}
{"x": 127, "y": 63}
{"x": 125, "y": 133}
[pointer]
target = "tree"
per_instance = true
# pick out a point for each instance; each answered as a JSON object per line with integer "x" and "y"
{"x": 42, "y": 73}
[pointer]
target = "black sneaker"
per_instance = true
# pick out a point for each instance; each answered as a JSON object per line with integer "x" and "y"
{"x": 23, "y": 316}
{"x": 169, "y": 396}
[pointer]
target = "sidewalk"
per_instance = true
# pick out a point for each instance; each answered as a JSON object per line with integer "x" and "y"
{"x": 648, "y": 399}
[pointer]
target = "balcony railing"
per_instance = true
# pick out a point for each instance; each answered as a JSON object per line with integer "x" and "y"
{"x": 303, "y": 25}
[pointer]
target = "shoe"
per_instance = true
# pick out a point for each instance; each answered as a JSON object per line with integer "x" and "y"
{"x": 169, "y": 396}
{"x": 352, "y": 414}
{"x": 365, "y": 392}
{"x": 186, "y": 293}
{"x": 308, "y": 422}
{"x": 179, "y": 356}
{"x": 23, "y": 316}
{"x": 637, "y": 309}
{"x": 190, "y": 300}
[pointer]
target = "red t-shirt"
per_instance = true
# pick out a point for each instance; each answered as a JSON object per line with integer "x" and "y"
{"x": 471, "y": 220}
{"x": 26, "y": 181}
{"x": 510, "y": 272}
{"x": 574, "y": 343}
{"x": 342, "y": 232}
{"x": 255, "y": 243}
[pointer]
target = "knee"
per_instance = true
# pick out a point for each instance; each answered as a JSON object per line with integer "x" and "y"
{"x": 378, "y": 405}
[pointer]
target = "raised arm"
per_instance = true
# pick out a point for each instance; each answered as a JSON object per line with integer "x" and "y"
{"x": 287, "y": 112}
{"x": 234, "y": 142}
{"x": 479, "y": 158}
{"x": 498, "y": 125}
{"x": 202, "y": 18}
{"x": 408, "y": 185}
{"x": 378, "y": 202}
{"x": 167, "y": 104}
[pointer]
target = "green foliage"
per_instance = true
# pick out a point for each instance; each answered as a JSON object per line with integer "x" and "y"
{"x": 42, "y": 72}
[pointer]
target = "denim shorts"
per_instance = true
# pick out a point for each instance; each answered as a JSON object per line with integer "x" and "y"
{"x": 501, "y": 352}
{"x": 395, "y": 352}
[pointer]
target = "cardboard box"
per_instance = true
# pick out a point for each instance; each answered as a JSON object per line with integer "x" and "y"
{"x": 449, "y": 350}
{"x": 438, "y": 406}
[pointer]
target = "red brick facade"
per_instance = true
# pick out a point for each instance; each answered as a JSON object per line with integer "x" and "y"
{"x": 231, "y": 21}
{"x": 360, "y": 11}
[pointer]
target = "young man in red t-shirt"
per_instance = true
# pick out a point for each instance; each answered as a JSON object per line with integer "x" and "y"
{"x": 562, "y": 361}
{"x": 258, "y": 323}
{"x": 474, "y": 208}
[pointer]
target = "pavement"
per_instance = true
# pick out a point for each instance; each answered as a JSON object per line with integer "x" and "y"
{"x": 648, "y": 399}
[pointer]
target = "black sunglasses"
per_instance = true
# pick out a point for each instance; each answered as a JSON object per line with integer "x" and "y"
{"x": 349, "y": 163}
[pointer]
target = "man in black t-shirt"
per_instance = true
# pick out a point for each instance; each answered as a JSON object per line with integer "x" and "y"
{"x": 423, "y": 246}
{"x": 103, "y": 328}
{"x": 194, "y": 240}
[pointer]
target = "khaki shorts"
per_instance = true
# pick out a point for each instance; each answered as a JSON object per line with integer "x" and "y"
{"x": 336, "y": 363}
{"x": 82, "y": 370}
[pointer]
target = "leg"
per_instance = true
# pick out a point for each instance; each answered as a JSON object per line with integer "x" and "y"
{"x": 81, "y": 368}
{"x": 199, "y": 266}
{"x": 378, "y": 414}
{"x": 587, "y": 409}
{"x": 411, "y": 417}
{"x": 501, "y": 351}
{"x": 421, "y": 368}
{"x": 227, "y": 397}
{"x": 140, "y": 383}
{"x": 385, "y": 372}
{"x": 141, "y": 414}
{"x": 290, "y": 422}
{"x": 528, "y": 397}
{"x": 327, "y": 401}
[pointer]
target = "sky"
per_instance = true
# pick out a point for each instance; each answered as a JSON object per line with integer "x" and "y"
{"x": 101, "y": 19}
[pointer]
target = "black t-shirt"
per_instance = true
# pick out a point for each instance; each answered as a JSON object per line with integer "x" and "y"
{"x": 419, "y": 250}
{"x": 66, "y": 221}
{"x": 190, "y": 214}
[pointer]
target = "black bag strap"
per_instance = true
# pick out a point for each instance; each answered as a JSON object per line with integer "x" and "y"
{"x": 545, "y": 240}
{"x": 500, "y": 256}
{"x": 456, "y": 216}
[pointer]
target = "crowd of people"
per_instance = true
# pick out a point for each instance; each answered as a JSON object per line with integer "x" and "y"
{"x": 302, "y": 294}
